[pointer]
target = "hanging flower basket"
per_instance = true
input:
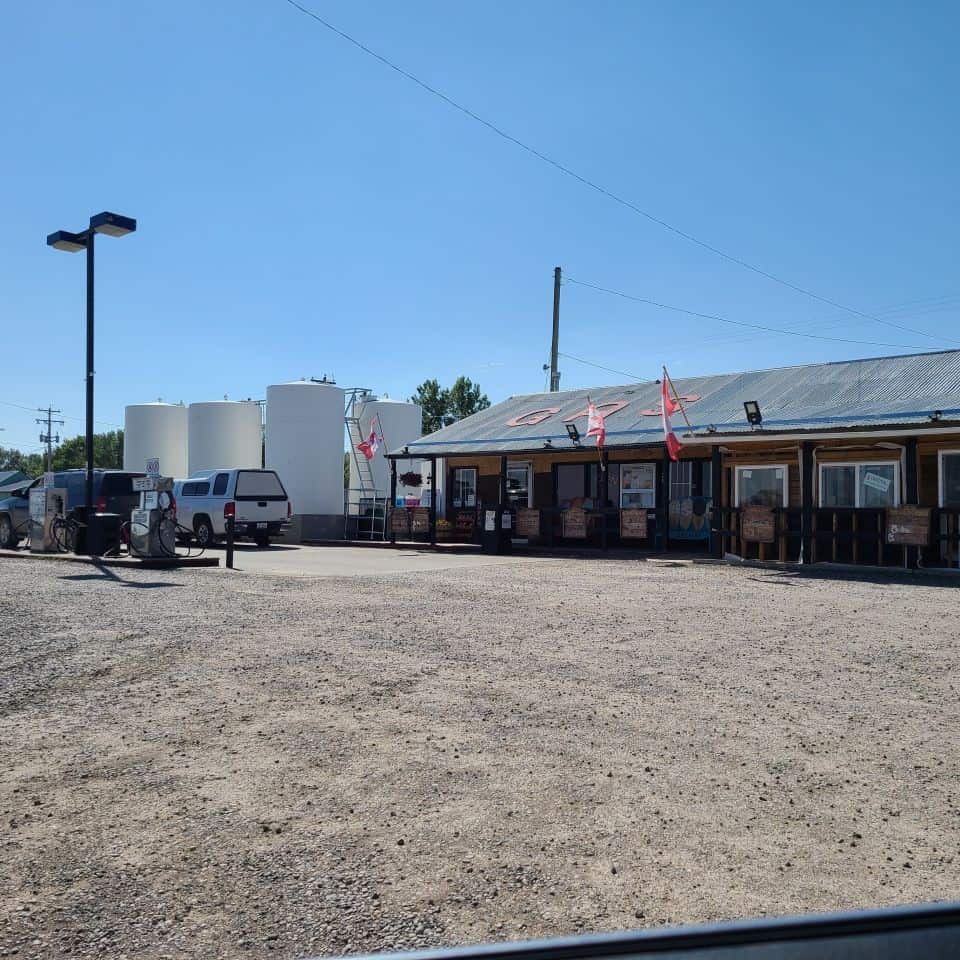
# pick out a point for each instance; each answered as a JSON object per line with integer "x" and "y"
{"x": 411, "y": 479}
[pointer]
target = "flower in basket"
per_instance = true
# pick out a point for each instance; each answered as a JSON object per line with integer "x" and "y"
{"x": 411, "y": 479}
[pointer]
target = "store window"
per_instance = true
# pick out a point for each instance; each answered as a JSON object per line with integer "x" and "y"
{"x": 638, "y": 485}
{"x": 950, "y": 479}
{"x": 518, "y": 484}
{"x": 578, "y": 485}
{"x": 762, "y": 486}
{"x": 681, "y": 479}
{"x": 873, "y": 485}
{"x": 464, "y": 487}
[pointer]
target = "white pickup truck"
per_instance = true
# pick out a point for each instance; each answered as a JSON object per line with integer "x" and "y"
{"x": 254, "y": 498}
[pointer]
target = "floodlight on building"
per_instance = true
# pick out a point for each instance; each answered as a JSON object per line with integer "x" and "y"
{"x": 752, "y": 409}
{"x": 573, "y": 433}
{"x": 936, "y": 415}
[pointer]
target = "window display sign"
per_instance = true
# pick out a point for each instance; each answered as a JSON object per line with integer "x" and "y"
{"x": 575, "y": 523}
{"x": 908, "y": 526}
{"x": 421, "y": 520}
{"x": 689, "y": 518}
{"x": 638, "y": 485}
{"x": 757, "y": 524}
{"x": 633, "y": 524}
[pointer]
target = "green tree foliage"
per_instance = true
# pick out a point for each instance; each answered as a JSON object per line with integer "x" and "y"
{"x": 442, "y": 406}
{"x": 107, "y": 452}
{"x": 31, "y": 464}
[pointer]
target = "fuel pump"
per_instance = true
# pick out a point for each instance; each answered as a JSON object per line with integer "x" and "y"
{"x": 153, "y": 526}
{"x": 47, "y": 506}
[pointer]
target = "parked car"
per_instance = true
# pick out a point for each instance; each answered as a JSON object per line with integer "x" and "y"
{"x": 112, "y": 491}
{"x": 255, "y": 499}
{"x": 15, "y": 515}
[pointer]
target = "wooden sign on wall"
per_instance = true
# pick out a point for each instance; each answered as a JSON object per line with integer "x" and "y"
{"x": 575, "y": 523}
{"x": 908, "y": 526}
{"x": 757, "y": 524}
{"x": 528, "y": 522}
{"x": 400, "y": 521}
{"x": 421, "y": 520}
{"x": 633, "y": 524}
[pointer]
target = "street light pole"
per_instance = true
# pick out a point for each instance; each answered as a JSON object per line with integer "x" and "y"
{"x": 88, "y": 441}
{"x": 113, "y": 225}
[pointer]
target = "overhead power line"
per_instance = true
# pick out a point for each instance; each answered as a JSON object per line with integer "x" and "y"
{"x": 600, "y": 366}
{"x": 739, "y": 323}
{"x": 593, "y": 185}
{"x": 19, "y": 406}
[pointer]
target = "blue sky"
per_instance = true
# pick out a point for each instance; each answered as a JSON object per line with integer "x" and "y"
{"x": 303, "y": 210}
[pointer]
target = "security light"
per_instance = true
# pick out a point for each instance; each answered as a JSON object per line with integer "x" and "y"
{"x": 752, "y": 408}
{"x": 936, "y": 415}
{"x": 112, "y": 224}
{"x": 65, "y": 240}
{"x": 573, "y": 433}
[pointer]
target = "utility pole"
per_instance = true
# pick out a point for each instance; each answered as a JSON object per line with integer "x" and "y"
{"x": 555, "y": 345}
{"x": 49, "y": 438}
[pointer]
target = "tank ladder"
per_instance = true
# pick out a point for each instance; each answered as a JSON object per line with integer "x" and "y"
{"x": 367, "y": 518}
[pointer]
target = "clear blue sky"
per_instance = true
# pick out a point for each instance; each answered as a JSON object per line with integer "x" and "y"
{"x": 303, "y": 210}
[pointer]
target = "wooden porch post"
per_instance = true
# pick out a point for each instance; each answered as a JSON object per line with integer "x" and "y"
{"x": 806, "y": 500}
{"x": 717, "y": 521}
{"x": 912, "y": 554}
{"x": 433, "y": 501}
{"x": 663, "y": 497}
{"x": 503, "y": 481}
{"x": 393, "y": 499}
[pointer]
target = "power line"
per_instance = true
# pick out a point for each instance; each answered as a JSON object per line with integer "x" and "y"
{"x": 600, "y": 366}
{"x": 585, "y": 181}
{"x": 741, "y": 323}
{"x": 18, "y": 406}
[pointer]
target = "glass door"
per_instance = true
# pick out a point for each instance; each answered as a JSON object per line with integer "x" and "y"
{"x": 519, "y": 486}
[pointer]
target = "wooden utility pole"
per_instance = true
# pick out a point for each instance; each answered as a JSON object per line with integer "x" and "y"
{"x": 555, "y": 344}
{"x": 49, "y": 438}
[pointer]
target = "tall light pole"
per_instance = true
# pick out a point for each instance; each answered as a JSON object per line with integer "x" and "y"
{"x": 113, "y": 225}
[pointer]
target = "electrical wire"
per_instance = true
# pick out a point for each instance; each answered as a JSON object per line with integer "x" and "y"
{"x": 18, "y": 406}
{"x": 600, "y": 366}
{"x": 593, "y": 185}
{"x": 740, "y": 323}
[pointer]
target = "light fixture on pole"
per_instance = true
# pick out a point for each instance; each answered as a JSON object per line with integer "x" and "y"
{"x": 113, "y": 225}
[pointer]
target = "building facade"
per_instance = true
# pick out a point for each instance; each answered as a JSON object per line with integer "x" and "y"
{"x": 854, "y": 462}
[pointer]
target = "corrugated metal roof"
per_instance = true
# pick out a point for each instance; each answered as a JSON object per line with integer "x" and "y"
{"x": 885, "y": 391}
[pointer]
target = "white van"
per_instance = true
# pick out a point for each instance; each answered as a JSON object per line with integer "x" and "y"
{"x": 254, "y": 498}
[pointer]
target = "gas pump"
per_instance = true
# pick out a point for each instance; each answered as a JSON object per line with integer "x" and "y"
{"x": 47, "y": 505}
{"x": 153, "y": 527}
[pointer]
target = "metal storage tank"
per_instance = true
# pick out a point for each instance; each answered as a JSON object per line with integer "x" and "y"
{"x": 401, "y": 423}
{"x": 225, "y": 433}
{"x": 305, "y": 445}
{"x": 156, "y": 430}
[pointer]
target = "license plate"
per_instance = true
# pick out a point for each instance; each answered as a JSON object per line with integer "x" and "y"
{"x": 261, "y": 526}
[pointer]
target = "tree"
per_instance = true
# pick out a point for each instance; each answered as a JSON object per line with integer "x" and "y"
{"x": 32, "y": 464}
{"x": 107, "y": 452}
{"x": 441, "y": 407}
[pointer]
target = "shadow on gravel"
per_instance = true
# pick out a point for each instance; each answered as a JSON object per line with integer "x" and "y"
{"x": 105, "y": 573}
{"x": 923, "y": 579}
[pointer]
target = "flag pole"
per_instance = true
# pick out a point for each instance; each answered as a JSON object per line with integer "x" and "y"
{"x": 676, "y": 396}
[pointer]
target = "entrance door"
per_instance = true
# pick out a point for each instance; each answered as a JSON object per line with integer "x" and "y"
{"x": 519, "y": 484}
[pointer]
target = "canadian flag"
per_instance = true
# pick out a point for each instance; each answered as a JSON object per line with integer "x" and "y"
{"x": 596, "y": 427}
{"x": 371, "y": 445}
{"x": 668, "y": 406}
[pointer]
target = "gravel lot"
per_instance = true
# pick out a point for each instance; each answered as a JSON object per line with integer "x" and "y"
{"x": 215, "y": 764}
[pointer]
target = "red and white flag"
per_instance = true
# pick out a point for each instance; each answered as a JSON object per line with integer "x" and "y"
{"x": 668, "y": 406}
{"x": 596, "y": 427}
{"x": 371, "y": 445}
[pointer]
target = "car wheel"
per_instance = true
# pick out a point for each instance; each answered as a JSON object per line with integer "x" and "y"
{"x": 203, "y": 531}
{"x": 262, "y": 540}
{"x": 8, "y": 539}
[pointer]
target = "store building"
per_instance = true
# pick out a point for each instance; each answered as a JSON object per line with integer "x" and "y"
{"x": 853, "y": 462}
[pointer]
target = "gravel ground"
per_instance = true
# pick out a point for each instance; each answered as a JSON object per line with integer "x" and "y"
{"x": 213, "y": 764}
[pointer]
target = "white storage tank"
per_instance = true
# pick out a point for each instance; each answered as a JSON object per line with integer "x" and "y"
{"x": 400, "y": 423}
{"x": 305, "y": 445}
{"x": 156, "y": 430}
{"x": 224, "y": 433}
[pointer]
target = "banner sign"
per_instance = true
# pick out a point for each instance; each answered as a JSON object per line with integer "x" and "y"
{"x": 528, "y": 522}
{"x": 689, "y": 518}
{"x": 633, "y": 524}
{"x": 757, "y": 524}
{"x": 908, "y": 526}
{"x": 575, "y": 523}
